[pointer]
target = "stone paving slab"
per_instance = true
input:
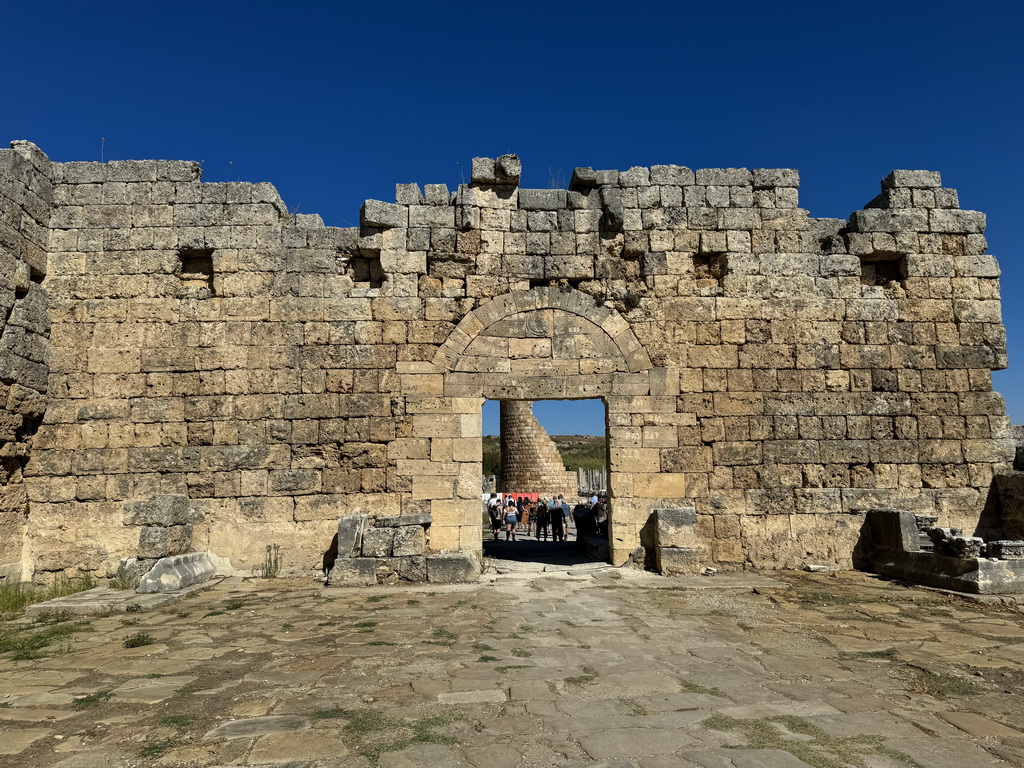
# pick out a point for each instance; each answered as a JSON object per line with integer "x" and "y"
{"x": 615, "y": 669}
{"x": 104, "y": 600}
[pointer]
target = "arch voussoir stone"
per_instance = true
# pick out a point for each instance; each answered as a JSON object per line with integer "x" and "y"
{"x": 538, "y": 299}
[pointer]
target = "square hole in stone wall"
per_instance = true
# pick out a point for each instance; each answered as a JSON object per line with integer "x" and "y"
{"x": 883, "y": 269}
{"x": 709, "y": 269}
{"x": 366, "y": 269}
{"x": 196, "y": 269}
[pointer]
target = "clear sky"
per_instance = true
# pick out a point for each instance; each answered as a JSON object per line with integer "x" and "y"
{"x": 335, "y": 102}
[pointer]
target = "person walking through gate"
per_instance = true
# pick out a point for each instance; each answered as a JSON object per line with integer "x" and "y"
{"x": 495, "y": 514}
{"x": 510, "y": 520}
{"x": 542, "y": 518}
{"x": 557, "y": 521}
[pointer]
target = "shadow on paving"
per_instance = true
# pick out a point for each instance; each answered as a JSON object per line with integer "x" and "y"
{"x": 529, "y": 550}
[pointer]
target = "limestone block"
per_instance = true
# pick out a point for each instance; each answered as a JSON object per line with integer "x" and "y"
{"x": 162, "y": 510}
{"x": 409, "y": 540}
{"x": 350, "y": 535}
{"x": 159, "y": 541}
{"x": 407, "y": 568}
{"x": 898, "y": 179}
{"x": 1005, "y": 550}
{"x": 453, "y": 568}
{"x": 677, "y": 561}
{"x": 377, "y": 542}
{"x": 675, "y": 526}
{"x": 376, "y": 213}
{"x": 404, "y": 520}
{"x": 178, "y": 572}
{"x": 894, "y": 529}
{"x": 542, "y": 199}
{"x": 354, "y": 572}
{"x": 508, "y": 169}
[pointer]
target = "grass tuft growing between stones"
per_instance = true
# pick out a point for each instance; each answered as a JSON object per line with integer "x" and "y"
{"x": 807, "y": 742}
{"x": 181, "y": 722}
{"x": 157, "y": 748}
{"x": 92, "y": 699}
{"x": 443, "y": 636}
{"x": 589, "y": 675}
{"x": 940, "y": 685}
{"x": 694, "y": 688}
{"x": 138, "y": 640}
{"x": 26, "y": 643}
{"x": 14, "y": 597}
{"x": 372, "y": 734}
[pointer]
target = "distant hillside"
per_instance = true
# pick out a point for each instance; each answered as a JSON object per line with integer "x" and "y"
{"x": 578, "y": 452}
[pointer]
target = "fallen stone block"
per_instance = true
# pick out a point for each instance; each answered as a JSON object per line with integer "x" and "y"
{"x": 171, "y": 573}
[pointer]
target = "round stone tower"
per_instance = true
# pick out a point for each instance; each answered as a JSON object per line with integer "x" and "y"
{"x": 530, "y": 461}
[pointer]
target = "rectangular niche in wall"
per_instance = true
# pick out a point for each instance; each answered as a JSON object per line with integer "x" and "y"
{"x": 883, "y": 269}
{"x": 709, "y": 269}
{"x": 196, "y": 271}
{"x": 367, "y": 270}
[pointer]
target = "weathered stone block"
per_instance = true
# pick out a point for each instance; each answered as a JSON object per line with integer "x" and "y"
{"x": 894, "y": 529}
{"x": 171, "y": 573}
{"x": 159, "y": 541}
{"x": 454, "y": 568}
{"x": 350, "y": 535}
{"x": 402, "y": 520}
{"x": 409, "y": 540}
{"x": 912, "y": 179}
{"x": 678, "y": 561}
{"x": 164, "y": 510}
{"x": 354, "y": 572}
{"x": 1005, "y": 550}
{"x": 675, "y": 526}
{"x": 376, "y": 213}
{"x": 407, "y": 568}
{"x": 542, "y": 199}
{"x": 377, "y": 542}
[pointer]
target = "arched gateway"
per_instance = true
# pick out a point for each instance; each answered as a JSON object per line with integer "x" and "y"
{"x": 544, "y": 343}
{"x": 189, "y": 367}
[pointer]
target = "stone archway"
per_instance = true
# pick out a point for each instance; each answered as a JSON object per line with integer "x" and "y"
{"x": 604, "y": 320}
{"x": 544, "y": 343}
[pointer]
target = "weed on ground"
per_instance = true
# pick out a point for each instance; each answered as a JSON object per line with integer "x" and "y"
{"x": 807, "y": 742}
{"x": 14, "y": 597}
{"x": 137, "y": 640}
{"x": 589, "y": 675}
{"x": 92, "y": 699}
{"x": 25, "y": 643}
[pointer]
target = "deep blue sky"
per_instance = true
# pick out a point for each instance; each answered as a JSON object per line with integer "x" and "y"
{"x": 336, "y": 102}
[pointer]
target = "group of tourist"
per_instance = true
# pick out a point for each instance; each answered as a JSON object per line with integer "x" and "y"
{"x": 519, "y": 514}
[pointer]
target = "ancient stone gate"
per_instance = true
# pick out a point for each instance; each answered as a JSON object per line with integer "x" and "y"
{"x": 190, "y": 366}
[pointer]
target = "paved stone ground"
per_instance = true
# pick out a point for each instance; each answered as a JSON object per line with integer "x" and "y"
{"x": 578, "y": 666}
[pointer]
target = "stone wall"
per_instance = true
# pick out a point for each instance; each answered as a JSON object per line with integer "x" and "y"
{"x": 26, "y": 195}
{"x": 778, "y": 373}
{"x": 530, "y": 461}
